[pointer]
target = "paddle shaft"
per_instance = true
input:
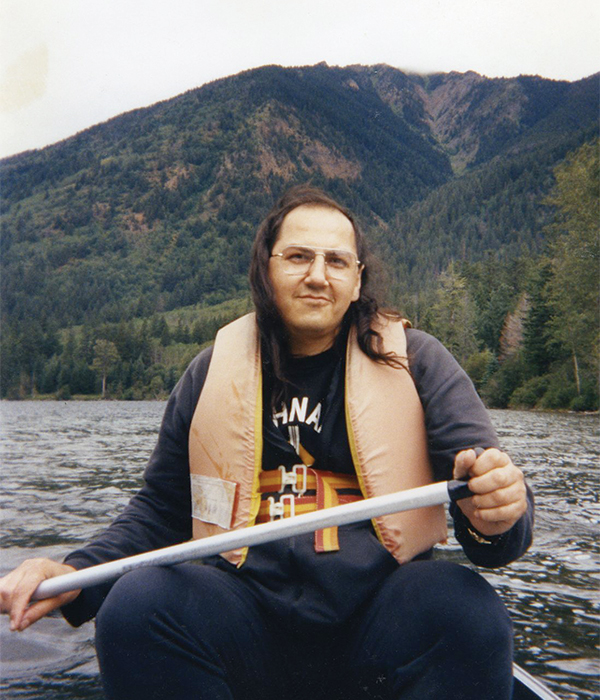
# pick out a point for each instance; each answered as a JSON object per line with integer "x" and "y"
{"x": 421, "y": 497}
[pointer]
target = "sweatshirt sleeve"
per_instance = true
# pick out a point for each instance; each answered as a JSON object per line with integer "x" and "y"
{"x": 456, "y": 419}
{"x": 159, "y": 514}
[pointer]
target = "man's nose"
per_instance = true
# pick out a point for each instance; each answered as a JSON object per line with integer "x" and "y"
{"x": 317, "y": 272}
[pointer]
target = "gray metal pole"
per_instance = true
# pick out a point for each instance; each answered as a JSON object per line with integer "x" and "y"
{"x": 423, "y": 496}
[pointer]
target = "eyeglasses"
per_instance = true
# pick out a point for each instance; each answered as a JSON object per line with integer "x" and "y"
{"x": 297, "y": 260}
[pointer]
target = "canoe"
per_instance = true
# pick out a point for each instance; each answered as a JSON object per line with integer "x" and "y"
{"x": 526, "y": 687}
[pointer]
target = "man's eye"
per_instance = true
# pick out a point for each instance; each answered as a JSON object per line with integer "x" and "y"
{"x": 298, "y": 257}
{"x": 337, "y": 261}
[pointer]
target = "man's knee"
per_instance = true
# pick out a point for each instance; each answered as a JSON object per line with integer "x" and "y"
{"x": 131, "y": 603}
{"x": 429, "y": 621}
{"x": 443, "y": 602}
{"x": 139, "y": 595}
{"x": 472, "y": 608}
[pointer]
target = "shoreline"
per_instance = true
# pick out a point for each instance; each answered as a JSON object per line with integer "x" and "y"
{"x": 44, "y": 398}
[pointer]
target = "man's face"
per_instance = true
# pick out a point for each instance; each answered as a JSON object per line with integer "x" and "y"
{"x": 312, "y": 305}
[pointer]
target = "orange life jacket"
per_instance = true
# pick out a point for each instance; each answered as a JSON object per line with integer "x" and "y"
{"x": 386, "y": 432}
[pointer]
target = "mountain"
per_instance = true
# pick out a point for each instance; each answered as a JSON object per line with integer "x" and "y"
{"x": 156, "y": 209}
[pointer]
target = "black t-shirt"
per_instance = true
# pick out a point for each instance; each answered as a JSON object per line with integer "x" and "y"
{"x": 309, "y": 424}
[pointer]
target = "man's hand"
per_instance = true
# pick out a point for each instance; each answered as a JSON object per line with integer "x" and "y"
{"x": 17, "y": 588}
{"x": 501, "y": 497}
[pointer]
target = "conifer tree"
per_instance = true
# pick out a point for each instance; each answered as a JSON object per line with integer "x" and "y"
{"x": 575, "y": 258}
{"x": 106, "y": 357}
{"x": 452, "y": 316}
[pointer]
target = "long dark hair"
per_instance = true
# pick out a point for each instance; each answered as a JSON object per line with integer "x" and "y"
{"x": 361, "y": 313}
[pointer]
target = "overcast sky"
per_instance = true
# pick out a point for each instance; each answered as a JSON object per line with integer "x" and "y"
{"x": 68, "y": 64}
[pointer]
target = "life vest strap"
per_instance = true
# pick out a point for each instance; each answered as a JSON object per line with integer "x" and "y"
{"x": 302, "y": 479}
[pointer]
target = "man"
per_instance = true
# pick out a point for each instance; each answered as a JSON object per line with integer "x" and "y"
{"x": 318, "y": 399}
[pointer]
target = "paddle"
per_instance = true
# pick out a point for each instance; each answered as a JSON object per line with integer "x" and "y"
{"x": 421, "y": 497}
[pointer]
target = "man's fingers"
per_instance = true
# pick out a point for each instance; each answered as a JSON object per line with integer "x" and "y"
{"x": 23, "y": 615}
{"x": 36, "y": 611}
{"x": 17, "y": 587}
{"x": 463, "y": 462}
{"x": 502, "y": 504}
{"x": 16, "y": 597}
{"x": 498, "y": 479}
{"x": 514, "y": 493}
{"x": 488, "y": 460}
{"x": 508, "y": 513}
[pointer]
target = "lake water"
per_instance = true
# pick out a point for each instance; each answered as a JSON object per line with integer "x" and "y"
{"x": 69, "y": 467}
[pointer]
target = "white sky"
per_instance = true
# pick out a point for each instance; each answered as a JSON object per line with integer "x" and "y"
{"x": 68, "y": 64}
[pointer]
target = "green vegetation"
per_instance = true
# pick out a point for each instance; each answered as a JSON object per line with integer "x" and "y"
{"x": 534, "y": 321}
{"x": 125, "y": 247}
{"x": 136, "y": 359}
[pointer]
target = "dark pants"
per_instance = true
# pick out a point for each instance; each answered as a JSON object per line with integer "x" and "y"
{"x": 432, "y": 630}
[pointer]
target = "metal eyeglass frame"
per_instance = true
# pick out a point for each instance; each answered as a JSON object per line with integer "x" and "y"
{"x": 316, "y": 251}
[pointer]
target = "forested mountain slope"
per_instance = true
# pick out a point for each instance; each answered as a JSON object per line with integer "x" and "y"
{"x": 155, "y": 209}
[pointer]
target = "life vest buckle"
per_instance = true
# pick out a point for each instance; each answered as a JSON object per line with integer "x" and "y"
{"x": 277, "y": 508}
{"x": 291, "y": 479}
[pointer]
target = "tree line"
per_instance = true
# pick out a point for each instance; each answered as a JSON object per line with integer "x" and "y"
{"x": 130, "y": 360}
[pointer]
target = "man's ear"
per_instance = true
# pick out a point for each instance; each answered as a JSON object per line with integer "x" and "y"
{"x": 356, "y": 291}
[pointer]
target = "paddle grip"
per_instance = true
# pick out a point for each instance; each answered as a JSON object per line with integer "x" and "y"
{"x": 459, "y": 488}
